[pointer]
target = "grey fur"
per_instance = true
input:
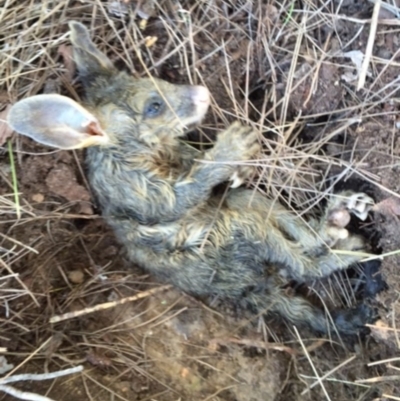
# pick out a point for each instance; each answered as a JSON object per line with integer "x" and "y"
{"x": 157, "y": 194}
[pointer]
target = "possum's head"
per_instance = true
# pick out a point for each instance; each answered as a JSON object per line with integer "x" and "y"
{"x": 119, "y": 109}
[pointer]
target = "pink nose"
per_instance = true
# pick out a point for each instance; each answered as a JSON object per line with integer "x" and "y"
{"x": 200, "y": 94}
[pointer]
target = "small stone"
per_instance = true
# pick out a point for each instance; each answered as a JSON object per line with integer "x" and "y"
{"x": 85, "y": 208}
{"x": 38, "y": 198}
{"x": 76, "y": 276}
{"x": 150, "y": 41}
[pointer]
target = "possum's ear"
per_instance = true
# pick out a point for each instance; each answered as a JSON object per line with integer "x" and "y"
{"x": 89, "y": 59}
{"x": 56, "y": 121}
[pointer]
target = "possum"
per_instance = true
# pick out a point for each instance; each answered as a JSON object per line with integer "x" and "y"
{"x": 157, "y": 193}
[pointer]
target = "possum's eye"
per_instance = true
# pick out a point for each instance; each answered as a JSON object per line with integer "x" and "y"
{"x": 153, "y": 108}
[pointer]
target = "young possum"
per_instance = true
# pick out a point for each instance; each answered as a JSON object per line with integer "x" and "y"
{"x": 157, "y": 193}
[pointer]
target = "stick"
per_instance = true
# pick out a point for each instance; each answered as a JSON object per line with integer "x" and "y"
{"x": 108, "y": 305}
{"x": 41, "y": 376}
{"x": 370, "y": 45}
{"x": 26, "y": 395}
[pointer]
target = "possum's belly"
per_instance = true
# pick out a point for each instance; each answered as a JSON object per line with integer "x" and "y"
{"x": 183, "y": 235}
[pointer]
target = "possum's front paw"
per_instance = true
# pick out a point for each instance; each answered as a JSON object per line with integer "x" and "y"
{"x": 235, "y": 145}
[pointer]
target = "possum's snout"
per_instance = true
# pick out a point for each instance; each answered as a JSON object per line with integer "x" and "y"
{"x": 200, "y": 96}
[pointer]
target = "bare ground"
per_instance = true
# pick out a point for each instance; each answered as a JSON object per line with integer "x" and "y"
{"x": 289, "y": 68}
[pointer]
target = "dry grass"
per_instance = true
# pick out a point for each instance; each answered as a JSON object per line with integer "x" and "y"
{"x": 270, "y": 64}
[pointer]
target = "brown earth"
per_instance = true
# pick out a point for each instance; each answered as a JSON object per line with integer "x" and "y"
{"x": 290, "y": 67}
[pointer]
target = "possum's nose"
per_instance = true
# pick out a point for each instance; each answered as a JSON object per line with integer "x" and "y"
{"x": 201, "y": 95}
{"x": 201, "y": 99}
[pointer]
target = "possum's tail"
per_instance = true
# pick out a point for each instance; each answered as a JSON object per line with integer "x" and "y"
{"x": 300, "y": 312}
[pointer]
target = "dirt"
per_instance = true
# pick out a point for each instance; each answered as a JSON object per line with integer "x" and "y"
{"x": 297, "y": 84}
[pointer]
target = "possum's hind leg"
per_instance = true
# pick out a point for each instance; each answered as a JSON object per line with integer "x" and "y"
{"x": 325, "y": 245}
{"x": 346, "y": 248}
{"x": 331, "y": 227}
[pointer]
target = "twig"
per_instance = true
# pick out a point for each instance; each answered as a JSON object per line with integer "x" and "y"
{"x": 326, "y": 375}
{"x": 391, "y": 397}
{"x": 41, "y": 376}
{"x": 379, "y": 379}
{"x": 389, "y": 7}
{"x": 254, "y": 343}
{"x": 374, "y": 326}
{"x": 19, "y": 280}
{"x": 14, "y": 180}
{"x": 25, "y": 395}
{"x": 370, "y": 45}
{"x": 319, "y": 379}
{"x": 108, "y": 305}
{"x": 384, "y": 361}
